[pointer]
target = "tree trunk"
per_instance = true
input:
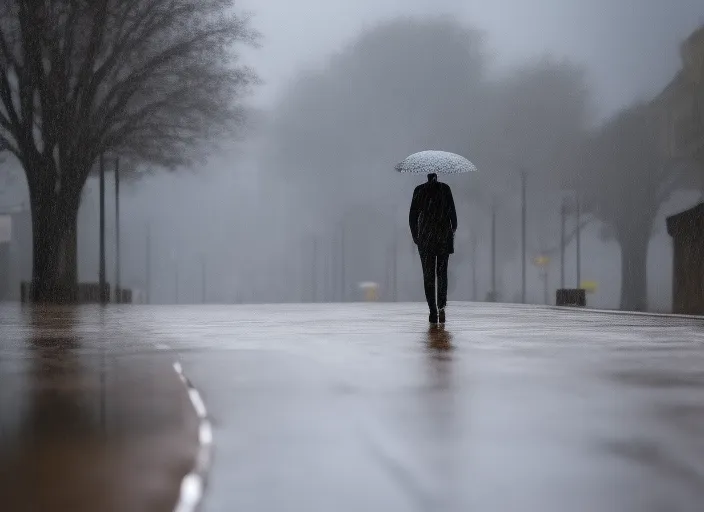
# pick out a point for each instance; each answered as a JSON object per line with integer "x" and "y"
{"x": 634, "y": 274}
{"x": 54, "y": 230}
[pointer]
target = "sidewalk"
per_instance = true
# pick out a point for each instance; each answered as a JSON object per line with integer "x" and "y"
{"x": 89, "y": 422}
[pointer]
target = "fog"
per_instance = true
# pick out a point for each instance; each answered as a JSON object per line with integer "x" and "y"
{"x": 266, "y": 219}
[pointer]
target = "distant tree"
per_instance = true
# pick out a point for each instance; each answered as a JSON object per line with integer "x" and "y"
{"x": 623, "y": 178}
{"x": 402, "y": 86}
{"x": 534, "y": 117}
{"x": 151, "y": 80}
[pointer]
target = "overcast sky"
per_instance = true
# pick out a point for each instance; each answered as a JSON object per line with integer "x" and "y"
{"x": 629, "y": 46}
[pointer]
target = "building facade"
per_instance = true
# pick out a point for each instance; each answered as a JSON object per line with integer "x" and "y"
{"x": 681, "y": 105}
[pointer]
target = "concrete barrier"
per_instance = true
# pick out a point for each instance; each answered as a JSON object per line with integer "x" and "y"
{"x": 88, "y": 293}
{"x": 571, "y": 297}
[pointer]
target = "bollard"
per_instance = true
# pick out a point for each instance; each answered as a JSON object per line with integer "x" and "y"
{"x": 571, "y": 297}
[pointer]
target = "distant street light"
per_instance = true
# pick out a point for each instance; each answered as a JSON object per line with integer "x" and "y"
{"x": 523, "y": 235}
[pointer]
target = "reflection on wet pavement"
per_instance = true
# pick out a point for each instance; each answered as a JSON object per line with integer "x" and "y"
{"x": 364, "y": 407}
{"x": 89, "y": 419}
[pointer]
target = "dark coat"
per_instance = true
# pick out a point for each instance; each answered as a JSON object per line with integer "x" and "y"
{"x": 433, "y": 219}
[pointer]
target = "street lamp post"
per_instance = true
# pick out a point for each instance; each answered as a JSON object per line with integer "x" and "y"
{"x": 101, "y": 269}
{"x": 578, "y": 243}
{"x": 493, "y": 251}
{"x": 203, "y": 274}
{"x": 314, "y": 271}
{"x": 148, "y": 263}
{"x": 523, "y": 236}
{"x": 118, "y": 291}
{"x": 474, "y": 267}
{"x": 563, "y": 220}
{"x": 176, "y": 269}
{"x": 343, "y": 276}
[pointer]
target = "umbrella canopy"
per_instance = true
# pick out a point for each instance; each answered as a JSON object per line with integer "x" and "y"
{"x": 427, "y": 162}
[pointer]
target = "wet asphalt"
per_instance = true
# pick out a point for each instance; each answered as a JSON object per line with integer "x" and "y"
{"x": 365, "y": 407}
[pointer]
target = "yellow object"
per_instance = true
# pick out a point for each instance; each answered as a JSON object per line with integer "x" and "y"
{"x": 541, "y": 261}
{"x": 589, "y": 286}
{"x": 371, "y": 291}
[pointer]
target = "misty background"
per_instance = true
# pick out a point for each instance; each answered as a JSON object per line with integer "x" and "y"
{"x": 311, "y": 189}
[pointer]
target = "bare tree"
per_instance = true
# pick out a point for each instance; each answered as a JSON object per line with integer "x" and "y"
{"x": 622, "y": 179}
{"x": 148, "y": 79}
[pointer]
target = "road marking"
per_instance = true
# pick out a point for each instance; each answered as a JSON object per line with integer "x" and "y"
{"x": 193, "y": 484}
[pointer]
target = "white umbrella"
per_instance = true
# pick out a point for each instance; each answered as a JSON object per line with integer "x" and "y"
{"x": 427, "y": 162}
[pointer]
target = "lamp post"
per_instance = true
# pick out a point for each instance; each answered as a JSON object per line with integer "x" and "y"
{"x": 148, "y": 265}
{"x": 563, "y": 221}
{"x": 493, "y": 251}
{"x": 118, "y": 291}
{"x": 101, "y": 269}
{"x": 175, "y": 262}
{"x": 523, "y": 236}
{"x": 474, "y": 266}
{"x": 314, "y": 271}
{"x": 343, "y": 275}
{"x": 578, "y": 243}
{"x": 204, "y": 277}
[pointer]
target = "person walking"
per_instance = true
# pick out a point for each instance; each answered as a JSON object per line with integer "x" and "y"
{"x": 433, "y": 222}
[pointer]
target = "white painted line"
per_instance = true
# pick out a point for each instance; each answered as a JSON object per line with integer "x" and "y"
{"x": 193, "y": 484}
{"x": 191, "y": 493}
{"x": 205, "y": 433}
{"x": 198, "y": 404}
{"x": 161, "y": 346}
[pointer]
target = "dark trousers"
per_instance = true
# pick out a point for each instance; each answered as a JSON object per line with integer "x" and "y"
{"x": 435, "y": 279}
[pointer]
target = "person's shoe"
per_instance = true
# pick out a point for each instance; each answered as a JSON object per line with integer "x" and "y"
{"x": 442, "y": 316}
{"x": 433, "y": 318}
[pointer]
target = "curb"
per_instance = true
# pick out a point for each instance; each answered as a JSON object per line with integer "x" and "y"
{"x": 698, "y": 318}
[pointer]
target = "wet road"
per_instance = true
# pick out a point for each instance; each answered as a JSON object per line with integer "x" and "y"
{"x": 91, "y": 417}
{"x": 363, "y": 407}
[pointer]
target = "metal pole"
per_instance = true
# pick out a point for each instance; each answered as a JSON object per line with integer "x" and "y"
{"x": 563, "y": 216}
{"x": 302, "y": 269}
{"x": 334, "y": 282}
{"x": 546, "y": 298}
{"x": 493, "y": 250}
{"x": 579, "y": 245}
{"x": 148, "y": 276}
{"x": 343, "y": 284}
{"x": 203, "y": 278}
{"x": 523, "y": 236}
{"x": 394, "y": 262}
{"x": 474, "y": 267}
{"x": 314, "y": 268}
{"x": 118, "y": 291}
{"x": 101, "y": 270}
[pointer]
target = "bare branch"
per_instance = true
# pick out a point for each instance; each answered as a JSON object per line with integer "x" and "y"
{"x": 569, "y": 237}
{"x": 156, "y": 78}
